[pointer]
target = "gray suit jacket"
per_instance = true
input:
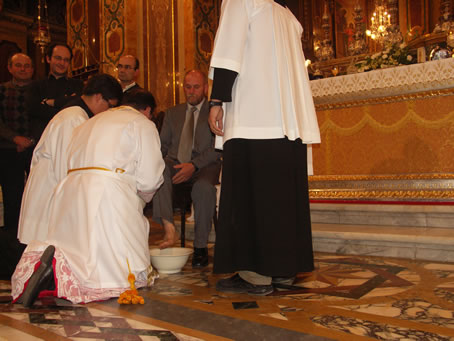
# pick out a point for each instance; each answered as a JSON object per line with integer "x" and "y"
{"x": 203, "y": 153}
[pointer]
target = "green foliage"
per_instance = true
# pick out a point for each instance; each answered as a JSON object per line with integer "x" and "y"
{"x": 392, "y": 55}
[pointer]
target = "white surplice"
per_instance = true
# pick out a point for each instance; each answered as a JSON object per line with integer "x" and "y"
{"x": 48, "y": 167}
{"x": 96, "y": 217}
{"x": 279, "y": 102}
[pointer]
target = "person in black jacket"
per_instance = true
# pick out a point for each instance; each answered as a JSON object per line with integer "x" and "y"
{"x": 48, "y": 96}
{"x": 128, "y": 70}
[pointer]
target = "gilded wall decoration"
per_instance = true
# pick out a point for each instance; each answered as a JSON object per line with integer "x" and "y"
{"x": 77, "y": 31}
{"x": 114, "y": 30}
{"x": 206, "y": 14}
{"x": 409, "y": 137}
{"x": 413, "y": 187}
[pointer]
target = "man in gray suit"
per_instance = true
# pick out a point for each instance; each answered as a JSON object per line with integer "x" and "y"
{"x": 187, "y": 145}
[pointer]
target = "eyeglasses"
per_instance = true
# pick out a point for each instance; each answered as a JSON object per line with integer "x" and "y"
{"x": 126, "y": 67}
{"x": 60, "y": 58}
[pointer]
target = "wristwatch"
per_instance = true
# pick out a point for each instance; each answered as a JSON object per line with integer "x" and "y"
{"x": 215, "y": 104}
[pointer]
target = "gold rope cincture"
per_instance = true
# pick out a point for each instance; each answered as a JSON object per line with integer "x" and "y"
{"x": 117, "y": 170}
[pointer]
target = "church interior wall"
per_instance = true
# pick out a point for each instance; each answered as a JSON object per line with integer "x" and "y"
{"x": 170, "y": 37}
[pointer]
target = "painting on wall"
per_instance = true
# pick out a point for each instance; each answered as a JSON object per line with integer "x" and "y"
{"x": 344, "y": 29}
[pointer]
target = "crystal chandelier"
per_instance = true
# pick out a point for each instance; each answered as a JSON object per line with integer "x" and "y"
{"x": 380, "y": 22}
{"x": 42, "y": 35}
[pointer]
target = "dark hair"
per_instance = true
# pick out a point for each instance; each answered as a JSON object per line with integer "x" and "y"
{"x": 137, "y": 63}
{"x": 140, "y": 100}
{"x": 50, "y": 49}
{"x": 105, "y": 85}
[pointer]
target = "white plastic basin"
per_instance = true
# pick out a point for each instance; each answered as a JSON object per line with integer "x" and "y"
{"x": 170, "y": 260}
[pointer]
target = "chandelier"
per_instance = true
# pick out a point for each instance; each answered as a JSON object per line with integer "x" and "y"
{"x": 380, "y": 23}
{"x": 42, "y": 35}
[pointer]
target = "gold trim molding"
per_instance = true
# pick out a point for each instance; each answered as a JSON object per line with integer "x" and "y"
{"x": 382, "y": 195}
{"x": 387, "y": 99}
{"x": 409, "y": 187}
{"x": 428, "y": 176}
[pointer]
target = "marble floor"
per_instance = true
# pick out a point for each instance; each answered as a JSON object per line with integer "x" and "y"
{"x": 345, "y": 298}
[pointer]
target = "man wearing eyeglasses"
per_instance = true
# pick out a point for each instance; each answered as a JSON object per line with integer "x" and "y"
{"x": 48, "y": 96}
{"x": 128, "y": 70}
{"x": 49, "y": 163}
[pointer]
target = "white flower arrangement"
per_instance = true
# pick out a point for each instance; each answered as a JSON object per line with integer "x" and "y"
{"x": 392, "y": 55}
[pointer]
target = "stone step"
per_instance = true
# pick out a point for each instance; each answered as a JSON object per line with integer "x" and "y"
{"x": 386, "y": 215}
{"x": 410, "y": 242}
{"x": 422, "y": 243}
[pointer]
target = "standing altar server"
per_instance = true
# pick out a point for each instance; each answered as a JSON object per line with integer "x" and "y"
{"x": 258, "y": 70}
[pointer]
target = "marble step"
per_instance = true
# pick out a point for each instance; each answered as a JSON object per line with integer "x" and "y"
{"x": 386, "y": 215}
{"x": 410, "y": 242}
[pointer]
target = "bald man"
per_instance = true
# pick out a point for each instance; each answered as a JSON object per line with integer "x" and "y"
{"x": 194, "y": 162}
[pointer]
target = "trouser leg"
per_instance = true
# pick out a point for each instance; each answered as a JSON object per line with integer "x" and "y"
{"x": 204, "y": 199}
{"x": 162, "y": 201}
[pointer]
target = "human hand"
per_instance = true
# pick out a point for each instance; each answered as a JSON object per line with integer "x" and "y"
{"x": 22, "y": 143}
{"x": 215, "y": 120}
{"x": 184, "y": 174}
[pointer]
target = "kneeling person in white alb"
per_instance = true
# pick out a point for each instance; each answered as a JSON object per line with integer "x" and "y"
{"x": 96, "y": 219}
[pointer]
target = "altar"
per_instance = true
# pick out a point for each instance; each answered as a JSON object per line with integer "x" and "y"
{"x": 387, "y": 135}
{"x": 384, "y": 172}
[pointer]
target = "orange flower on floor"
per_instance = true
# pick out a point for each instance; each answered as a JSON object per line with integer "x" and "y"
{"x": 131, "y": 296}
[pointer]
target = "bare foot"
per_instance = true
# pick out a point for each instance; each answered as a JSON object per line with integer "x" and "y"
{"x": 170, "y": 237}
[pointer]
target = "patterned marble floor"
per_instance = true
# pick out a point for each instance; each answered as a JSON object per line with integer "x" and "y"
{"x": 345, "y": 298}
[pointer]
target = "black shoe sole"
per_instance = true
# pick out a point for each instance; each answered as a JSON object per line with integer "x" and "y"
{"x": 32, "y": 291}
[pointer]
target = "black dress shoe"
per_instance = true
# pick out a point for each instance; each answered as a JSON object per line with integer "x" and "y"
{"x": 200, "y": 257}
{"x": 42, "y": 278}
{"x": 237, "y": 285}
